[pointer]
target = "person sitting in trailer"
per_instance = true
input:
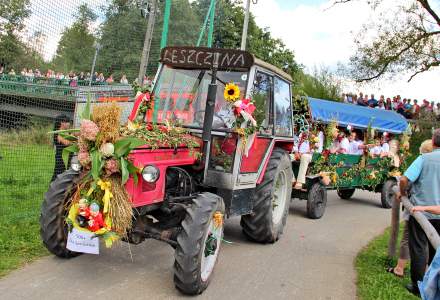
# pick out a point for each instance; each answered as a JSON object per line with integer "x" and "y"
{"x": 376, "y": 150}
{"x": 334, "y": 148}
{"x": 303, "y": 154}
{"x": 385, "y": 151}
{"x": 344, "y": 143}
{"x": 356, "y": 144}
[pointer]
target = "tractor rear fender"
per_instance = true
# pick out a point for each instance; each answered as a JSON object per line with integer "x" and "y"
{"x": 283, "y": 144}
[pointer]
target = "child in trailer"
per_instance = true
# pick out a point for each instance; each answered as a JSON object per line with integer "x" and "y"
{"x": 356, "y": 144}
{"x": 344, "y": 143}
{"x": 384, "y": 145}
{"x": 376, "y": 150}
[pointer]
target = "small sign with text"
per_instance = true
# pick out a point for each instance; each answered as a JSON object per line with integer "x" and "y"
{"x": 80, "y": 241}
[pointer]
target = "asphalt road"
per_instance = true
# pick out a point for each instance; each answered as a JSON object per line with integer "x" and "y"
{"x": 312, "y": 260}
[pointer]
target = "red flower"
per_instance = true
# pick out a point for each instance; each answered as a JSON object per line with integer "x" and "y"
{"x": 163, "y": 128}
{"x": 149, "y": 126}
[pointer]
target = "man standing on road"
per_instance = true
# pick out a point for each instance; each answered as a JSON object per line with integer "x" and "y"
{"x": 424, "y": 174}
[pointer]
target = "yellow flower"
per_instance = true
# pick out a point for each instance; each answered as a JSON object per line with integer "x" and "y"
{"x": 231, "y": 93}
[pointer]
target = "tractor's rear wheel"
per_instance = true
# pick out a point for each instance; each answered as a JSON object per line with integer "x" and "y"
{"x": 53, "y": 226}
{"x": 198, "y": 244}
{"x": 345, "y": 193}
{"x": 386, "y": 196}
{"x": 271, "y": 201}
{"x": 317, "y": 201}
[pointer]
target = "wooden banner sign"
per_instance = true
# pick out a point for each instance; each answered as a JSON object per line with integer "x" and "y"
{"x": 206, "y": 58}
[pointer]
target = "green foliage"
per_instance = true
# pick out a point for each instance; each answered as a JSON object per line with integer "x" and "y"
{"x": 75, "y": 50}
{"x": 123, "y": 32}
{"x": 22, "y": 190}
{"x": 66, "y": 152}
{"x": 321, "y": 84}
{"x": 13, "y": 52}
{"x": 404, "y": 41}
{"x": 373, "y": 281}
{"x": 227, "y": 34}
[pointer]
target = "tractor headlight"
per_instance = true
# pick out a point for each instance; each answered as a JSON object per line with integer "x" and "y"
{"x": 150, "y": 174}
{"x": 74, "y": 164}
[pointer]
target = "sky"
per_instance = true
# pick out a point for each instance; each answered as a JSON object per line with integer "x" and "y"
{"x": 321, "y": 35}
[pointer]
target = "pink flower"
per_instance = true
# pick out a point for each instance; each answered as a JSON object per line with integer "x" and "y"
{"x": 82, "y": 145}
{"x": 88, "y": 130}
{"x": 111, "y": 166}
{"x": 84, "y": 158}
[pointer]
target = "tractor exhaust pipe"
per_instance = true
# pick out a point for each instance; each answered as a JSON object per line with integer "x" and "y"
{"x": 209, "y": 113}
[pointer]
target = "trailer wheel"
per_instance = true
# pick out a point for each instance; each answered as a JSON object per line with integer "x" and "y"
{"x": 53, "y": 227}
{"x": 271, "y": 201}
{"x": 316, "y": 201}
{"x": 198, "y": 244}
{"x": 386, "y": 195}
{"x": 345, "y": 193}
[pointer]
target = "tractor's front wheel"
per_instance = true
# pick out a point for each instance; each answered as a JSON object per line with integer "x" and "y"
{"x": 386, "y": 196}
{"x": 53, "y": 226}
{"x": 271, "y": 201}
{"x": 198, "y": 244}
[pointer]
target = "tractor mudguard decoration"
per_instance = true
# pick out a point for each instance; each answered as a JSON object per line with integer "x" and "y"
{"x": 210, "y": 140}
{"x": 344, "y": 172}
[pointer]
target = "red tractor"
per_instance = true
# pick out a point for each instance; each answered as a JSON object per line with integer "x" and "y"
{"x": 181, "y": 199}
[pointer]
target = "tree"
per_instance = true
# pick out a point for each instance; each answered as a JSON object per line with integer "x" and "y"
{"x": 123, "y": 32}
{"x": 227, "y": 34}
{"x": 75, "y": 49}
{"x": 321, "y": 84}
{"x": 12, "y": 16}
{"x": 409, "y": 41}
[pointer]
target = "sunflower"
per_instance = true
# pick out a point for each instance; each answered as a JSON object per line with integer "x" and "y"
{"x": 231, "y": 93}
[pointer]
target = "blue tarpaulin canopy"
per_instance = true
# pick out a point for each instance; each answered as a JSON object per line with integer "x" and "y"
{"x": 357, "y": 116}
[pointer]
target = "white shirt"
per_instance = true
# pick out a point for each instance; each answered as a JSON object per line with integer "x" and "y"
{"x": 345, "y": 145}
{"x": 304, "y": 147}
{"x": 376, "y": 150}
{"x": 354, "y": 148}
{"x": 385, "y": 147}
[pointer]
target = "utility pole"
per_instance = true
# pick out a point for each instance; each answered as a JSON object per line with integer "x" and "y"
{"x": 97, "y": 48}
{"x": 147, "y": 41}
{"x": 245, "y": 26}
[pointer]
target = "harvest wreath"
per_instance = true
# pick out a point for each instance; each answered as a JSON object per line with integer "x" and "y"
{"x": 100, "y": 203}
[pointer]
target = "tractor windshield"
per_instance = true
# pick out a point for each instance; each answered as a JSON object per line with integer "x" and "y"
{"x": 180, "y": 96}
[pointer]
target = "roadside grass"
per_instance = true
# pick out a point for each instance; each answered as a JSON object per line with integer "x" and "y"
{"x": 373, "y": 282}
{"x": 25, "y": 172}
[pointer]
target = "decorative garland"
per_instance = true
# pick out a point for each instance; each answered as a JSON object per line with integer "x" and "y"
{"x": 245, "y": 124}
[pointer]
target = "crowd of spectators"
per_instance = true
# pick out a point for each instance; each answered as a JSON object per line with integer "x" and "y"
{"x": 410, "y": 109}
{"x": 73, "y": 79}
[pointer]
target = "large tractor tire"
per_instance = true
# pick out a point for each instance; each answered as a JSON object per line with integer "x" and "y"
{"x": 198, "y": 244}
{"x": 345, "y": 193}
{"x": 53, "y": 227}
{"x": 271, "y": 201}
{"x": 316, "y": 201}
{"x": 386, "y": 195}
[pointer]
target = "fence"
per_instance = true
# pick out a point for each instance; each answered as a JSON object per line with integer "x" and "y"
{"x": 60, "y": 39}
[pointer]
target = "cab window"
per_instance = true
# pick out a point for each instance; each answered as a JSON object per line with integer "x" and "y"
{"x": 282, "y": 107}
{"x": 261, "y": 96}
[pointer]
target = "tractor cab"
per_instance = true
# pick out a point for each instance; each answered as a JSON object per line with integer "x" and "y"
{"x": 235, "y": 161}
